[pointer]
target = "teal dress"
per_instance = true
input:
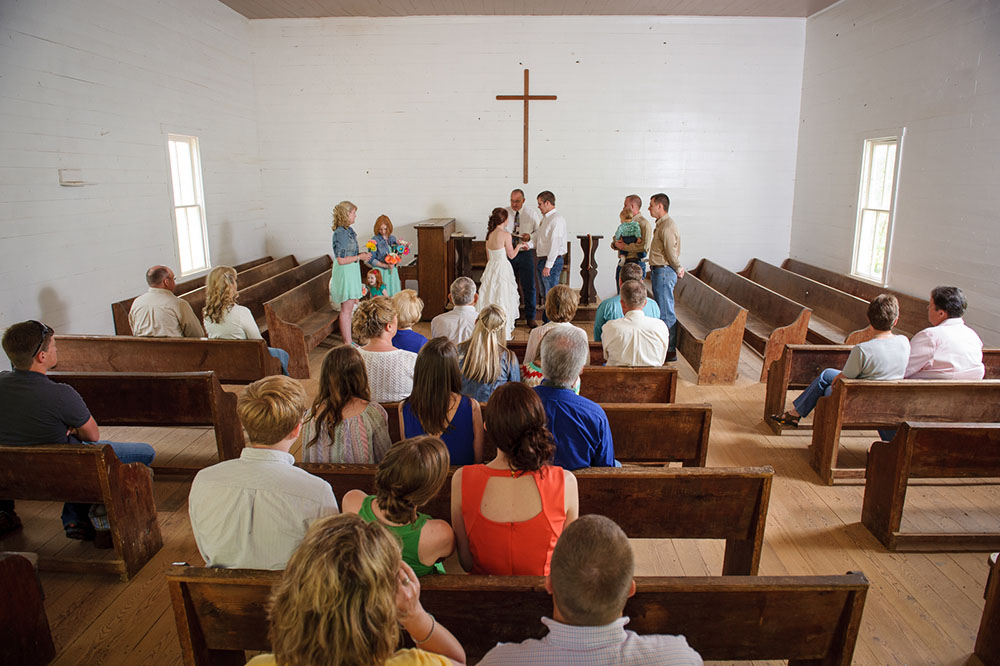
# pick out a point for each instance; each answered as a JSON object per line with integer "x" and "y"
{"x": 345, "y": 280}
{"x": 390, "y": 278}
{"x": 408, "y": 535}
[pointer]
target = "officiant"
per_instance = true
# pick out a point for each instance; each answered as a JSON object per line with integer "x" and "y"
{"x": 522, "y": 223}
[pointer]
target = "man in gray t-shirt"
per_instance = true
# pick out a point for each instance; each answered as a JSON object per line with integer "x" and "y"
{"x": 883, "y": 357}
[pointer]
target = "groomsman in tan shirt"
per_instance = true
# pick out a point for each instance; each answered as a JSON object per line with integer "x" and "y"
{"x": 633, "y": 203}
{"x": 665, "y": 266}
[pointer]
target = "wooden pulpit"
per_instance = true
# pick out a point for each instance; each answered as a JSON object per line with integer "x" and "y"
{"x": 436, "y": 260}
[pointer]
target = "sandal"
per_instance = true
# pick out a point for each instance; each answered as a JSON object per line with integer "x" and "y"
{"x": 9, "y": 522}
{"x": 786, "y": 419}
{"x": 80, "y": 531}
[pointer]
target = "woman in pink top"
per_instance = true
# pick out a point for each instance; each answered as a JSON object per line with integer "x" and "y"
{"x": 508, "y": 513}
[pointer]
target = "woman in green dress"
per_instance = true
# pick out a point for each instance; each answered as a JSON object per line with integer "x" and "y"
{"x": 345, "y": 279}
{"x": 385, "y": 244}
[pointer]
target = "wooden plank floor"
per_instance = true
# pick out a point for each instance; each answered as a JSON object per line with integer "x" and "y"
{"x": 921, "y": 608}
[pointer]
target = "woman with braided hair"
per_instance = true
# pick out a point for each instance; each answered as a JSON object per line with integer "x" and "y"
{"x": 486, "y": 363}
{"x": 509, "y": 513}
{"x": 409, "y": 476}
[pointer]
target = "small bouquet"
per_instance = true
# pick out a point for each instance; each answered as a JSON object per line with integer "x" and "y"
{"x": 371, "y": 246}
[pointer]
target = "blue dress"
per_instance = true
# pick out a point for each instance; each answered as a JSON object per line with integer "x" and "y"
{"x": 390, "y": 278}
{"x": 345, "y": 281}
{"x": 408, "y": 339}
{"x": 457, "y": 437}
{"x": 510, "y": 371}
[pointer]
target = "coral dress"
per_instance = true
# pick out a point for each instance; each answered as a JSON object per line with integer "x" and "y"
{"x": 498, "y": 287}
{"x": 513, "y": 549}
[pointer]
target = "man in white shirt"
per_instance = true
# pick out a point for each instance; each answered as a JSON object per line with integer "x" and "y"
{"x": 590, "y": 581}
{"x": 457, "y": 325}
{"x": 522, "y": 223}
{"x": 550, "y": 243}
{"x": 252, "y": 512}
{"x": 160, "y": 314}
{"x": 635, "y": 339}
{"x": 948, "y": 349}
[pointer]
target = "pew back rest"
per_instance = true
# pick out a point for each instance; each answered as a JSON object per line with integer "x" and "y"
{"x": 520, "y": 347}
{"x": 67, "y": 472}
{"x": 233, "y": 361}
{"x": 940, "y": 450}
{"x": 301, "y": 301}
{"x": 846, "y": 312}
{"x": 642, "y": 385}
{"x": 713, "y": 309}
{"x": 912, "y": 310}
{"x": 255, "y": 296}
{"x": 800, "y": 618}
{"x": 248, "y": 278}
{"x": 769, "y": 306}
{"x": 886, "y": 403}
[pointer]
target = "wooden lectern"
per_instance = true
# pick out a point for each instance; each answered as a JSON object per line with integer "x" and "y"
{"x": 434, "y": 262}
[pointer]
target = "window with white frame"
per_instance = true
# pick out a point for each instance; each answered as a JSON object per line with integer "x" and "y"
{"x": 877, "y": 193}
{"x": 189, "y": 203}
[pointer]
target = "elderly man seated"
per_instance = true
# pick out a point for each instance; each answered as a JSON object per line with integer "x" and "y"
{"x": 457, "y": 325}
{"x": 635, "y": 339}
{"x": 579, "y": 426}
{"x": 159, "y": 313}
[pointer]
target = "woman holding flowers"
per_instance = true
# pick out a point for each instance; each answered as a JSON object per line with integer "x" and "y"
{"x": 386, "y": 252}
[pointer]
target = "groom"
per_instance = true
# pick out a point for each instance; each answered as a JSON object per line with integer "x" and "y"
{"x": 550, "y": 243}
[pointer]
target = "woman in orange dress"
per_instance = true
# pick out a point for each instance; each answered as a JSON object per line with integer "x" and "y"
{"x": 509, "y": 513}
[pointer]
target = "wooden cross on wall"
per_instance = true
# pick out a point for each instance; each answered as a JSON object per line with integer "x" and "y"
{"x": 526, "y": 98}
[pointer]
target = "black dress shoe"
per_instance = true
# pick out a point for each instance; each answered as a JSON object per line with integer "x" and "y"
{"x": 532, "y": 323}
{"x": 671, "y": 356}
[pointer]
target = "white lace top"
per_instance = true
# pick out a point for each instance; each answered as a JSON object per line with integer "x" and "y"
{"x": 390, "y": 374}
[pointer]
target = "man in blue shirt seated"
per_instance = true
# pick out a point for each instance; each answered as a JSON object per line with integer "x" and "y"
{"x": 579, "y": 426}
{"x": 611, "y": 308}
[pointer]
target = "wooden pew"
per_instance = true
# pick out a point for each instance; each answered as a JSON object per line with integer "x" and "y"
{"x": 772, "y": 320}
{"x": 300, "y": 319}
{"x": 642, "y": 433}
{"x": 647, "y": 503}
{"x": 233, "y": 361}
{"x": 912, "y": 310}
{"x": 119, "y": 310}
{"x": 247, "y": 278}
{"x": 709, "y": 330}
{"x": 78, "y": 473}
{"x": 927, "y": 451}
{"x": 865, "y": 405}
{"x": 27, "y": 640}
{"x": 804, "y": 619}
{"x": 837, "y": 317}
{"x": 161, "y": 399}
{"x": 254, "y": 296}
{"x": 988, "y": 639}
{"x": 519, "y": 347}
{"x": 607, "y": 384}
{"x": 798, "y": 365}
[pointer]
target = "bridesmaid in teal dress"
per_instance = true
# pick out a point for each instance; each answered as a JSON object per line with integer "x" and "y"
{"x": 345, "y": 279}
{"x": 384, "y": 243}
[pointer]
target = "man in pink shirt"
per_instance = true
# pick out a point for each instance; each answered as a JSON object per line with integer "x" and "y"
{"x": 948, "y": 349}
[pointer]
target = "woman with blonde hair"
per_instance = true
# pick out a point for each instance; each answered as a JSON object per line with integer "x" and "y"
{"x": 486, "y": 363}
{"x": 385, "y": 244}
{"x": 410, "y": 476}
{"x": 225, "y": 320}
{"x": 342, "y": 598}
{"x": 345, "y": 279}
{"x": 409, "y": 309}
{"x": 560, "y": 308}
{"x": 345, "y": 425}
{"x": 518, "y": 498}
{"x": 390, "y": 370}
{"x": 437, "y": 407}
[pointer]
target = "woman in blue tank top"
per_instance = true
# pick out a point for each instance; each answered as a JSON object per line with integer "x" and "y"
{"x": 437, "y": 407}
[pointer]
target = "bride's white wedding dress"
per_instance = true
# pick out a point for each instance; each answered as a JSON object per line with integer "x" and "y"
{"x": 498, "y": 287}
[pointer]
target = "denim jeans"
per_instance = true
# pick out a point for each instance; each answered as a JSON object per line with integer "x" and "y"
{"x": 127, "y": 452}
{"x": 664, "y": 278}
{"x": 550, "y": 281}
{"x": 524, "y": 272}
{"x": 819, "y": 387}
{"x": 282, "y": 356}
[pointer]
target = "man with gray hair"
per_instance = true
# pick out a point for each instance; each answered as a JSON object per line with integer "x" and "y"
{"x": 590, "y": 582}
{"x": 457, "y": 325}
{"x": 579, "y": 426}
{"x": 635, "y": 339}
{"x": 160, "y": 314}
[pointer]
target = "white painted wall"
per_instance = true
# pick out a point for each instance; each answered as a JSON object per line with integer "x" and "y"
{"x": 96, "y": 86}
{"x": 400, "y": 116}
{"x": 932, "y": 67}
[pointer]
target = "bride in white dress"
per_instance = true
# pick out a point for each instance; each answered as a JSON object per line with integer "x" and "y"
{"x": 498, "y": 286}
